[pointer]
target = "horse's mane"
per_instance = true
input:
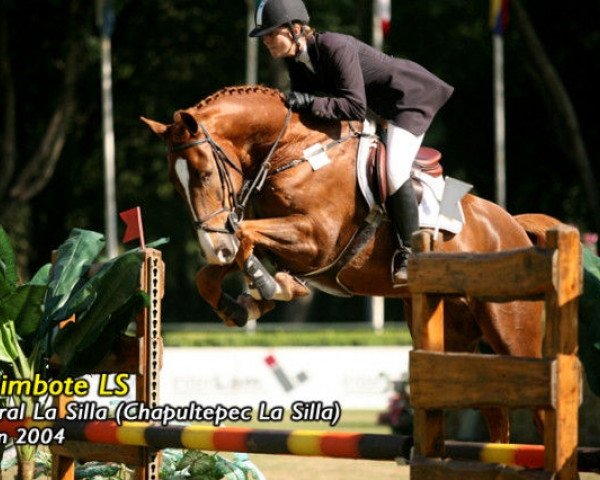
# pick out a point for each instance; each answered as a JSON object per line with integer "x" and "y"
{"x": 239, "y": 90}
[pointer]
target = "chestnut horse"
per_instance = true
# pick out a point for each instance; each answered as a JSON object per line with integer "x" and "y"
{"x": 239, "y": 153}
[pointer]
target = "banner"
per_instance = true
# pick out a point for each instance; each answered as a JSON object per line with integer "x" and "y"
{"x": 498, "y": 16}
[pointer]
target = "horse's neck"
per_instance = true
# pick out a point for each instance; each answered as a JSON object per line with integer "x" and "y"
{"x": 254, "y": 127}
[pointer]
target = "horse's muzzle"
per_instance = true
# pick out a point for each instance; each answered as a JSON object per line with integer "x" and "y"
{"x": 218, "y": 248}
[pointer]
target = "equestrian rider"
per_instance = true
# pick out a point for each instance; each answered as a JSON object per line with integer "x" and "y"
{"x": 351, "y": 76}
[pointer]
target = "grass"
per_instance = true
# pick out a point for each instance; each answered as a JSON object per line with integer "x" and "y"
{"x": 278, "y": 338}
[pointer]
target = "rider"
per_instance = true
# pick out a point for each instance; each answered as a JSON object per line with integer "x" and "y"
{"x": 352, "y": 76}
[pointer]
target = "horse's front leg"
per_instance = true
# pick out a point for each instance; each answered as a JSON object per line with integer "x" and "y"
{"x": 233, "y": 312}
{"x": 285, "y": 237}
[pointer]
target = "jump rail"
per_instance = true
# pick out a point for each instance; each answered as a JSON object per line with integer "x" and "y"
{"x": 440, "y": 380}
{"x": 106, "y": 435}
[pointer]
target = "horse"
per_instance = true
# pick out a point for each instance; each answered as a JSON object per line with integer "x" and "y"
{"x": 237, "y": 160}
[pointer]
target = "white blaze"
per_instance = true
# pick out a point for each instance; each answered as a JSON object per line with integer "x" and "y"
{"x": 183, "y": 173}
{"x": 212, "y": 255}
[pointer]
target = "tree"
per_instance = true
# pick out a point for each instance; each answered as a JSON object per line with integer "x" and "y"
{"x": 568, "y": 132}
{"x": 32, "y": 140}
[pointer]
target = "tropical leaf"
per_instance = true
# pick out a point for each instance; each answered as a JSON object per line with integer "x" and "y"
{"x": 589, "y": 320}
{"x": 82, "y": 298}
{"x": 7, "y": 350}
{"x": 75, "y": 257}
{"x": 10, "y": 351}
{"x": 105, "y": 294}
{"x": 87, "y": 356}
{"x": 25, "y": 308}
{"x": 96, "y": 470}
{"x": 42, "y": 276}
{"x": 200, "y": 465}
{"x": 8, "y": 270}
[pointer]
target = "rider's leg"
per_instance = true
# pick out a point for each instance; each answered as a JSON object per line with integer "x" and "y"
{"x": 402, "y": 147}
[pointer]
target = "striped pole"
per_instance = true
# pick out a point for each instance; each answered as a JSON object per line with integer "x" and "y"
{"x": 227, "y": 439}
{"x": 291, "y": 442}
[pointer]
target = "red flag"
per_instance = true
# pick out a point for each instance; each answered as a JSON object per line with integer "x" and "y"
{"x": 135, "y": 228}
{"x": 383, "y": 11}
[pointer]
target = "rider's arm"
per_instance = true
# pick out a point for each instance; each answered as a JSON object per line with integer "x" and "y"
{"x": 347, "y": 100}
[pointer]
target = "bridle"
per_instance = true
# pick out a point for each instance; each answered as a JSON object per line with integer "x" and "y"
{"x": 224, "y": 166}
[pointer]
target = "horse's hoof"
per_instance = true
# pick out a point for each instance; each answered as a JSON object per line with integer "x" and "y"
{"x": 261, "y": 278}
{"x": 232, "y": 312}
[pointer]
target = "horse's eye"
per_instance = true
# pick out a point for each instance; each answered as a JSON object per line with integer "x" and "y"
{"x": 202, "y": 177}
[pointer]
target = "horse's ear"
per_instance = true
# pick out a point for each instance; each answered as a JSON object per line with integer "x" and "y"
{"x": 189, "y": 121}
{"x": 156, "y": 127}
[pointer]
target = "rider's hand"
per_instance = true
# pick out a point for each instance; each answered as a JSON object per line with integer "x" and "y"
{"x": 299, "y": 100}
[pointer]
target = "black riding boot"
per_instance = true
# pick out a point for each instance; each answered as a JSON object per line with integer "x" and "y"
{"x": 404, "y": 213}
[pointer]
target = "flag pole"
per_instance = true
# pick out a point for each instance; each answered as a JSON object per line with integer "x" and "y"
{"x": 381, "y": 13}
{"x": 498, "y": 23}
{"x": 499, "y": 120}
{"x": 251, "y": 46}
{"x": 105, "y": 21}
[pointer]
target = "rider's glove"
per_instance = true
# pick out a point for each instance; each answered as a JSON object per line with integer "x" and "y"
{"x": 299, "y": 100}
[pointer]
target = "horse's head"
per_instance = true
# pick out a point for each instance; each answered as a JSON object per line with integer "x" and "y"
{"x": 206, "y": 172}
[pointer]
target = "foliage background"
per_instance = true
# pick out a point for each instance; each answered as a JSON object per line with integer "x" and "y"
{"x": 169, "y": 54}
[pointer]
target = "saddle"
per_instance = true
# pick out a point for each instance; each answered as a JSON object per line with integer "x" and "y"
{"x": 426, "y": 161}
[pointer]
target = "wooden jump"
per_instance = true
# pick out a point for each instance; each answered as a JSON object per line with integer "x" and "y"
{"x": 440, "y": 380}
{"x": 553, "y": 274}
{"x": 140, "y": 356}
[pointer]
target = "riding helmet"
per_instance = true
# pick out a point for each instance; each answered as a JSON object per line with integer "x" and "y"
{"x": 271, "y": 14}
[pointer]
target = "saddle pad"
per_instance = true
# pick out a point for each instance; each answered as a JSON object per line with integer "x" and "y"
{"x": 433, "y": 187}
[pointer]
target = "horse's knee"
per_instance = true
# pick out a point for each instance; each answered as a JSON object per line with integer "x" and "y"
{"x": 246, "y": 247}
{"x": 209, "y": 289}
{"x": 289, "y": 288}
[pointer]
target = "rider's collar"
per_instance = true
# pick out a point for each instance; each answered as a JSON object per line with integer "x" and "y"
{"x": 304, "y": 58}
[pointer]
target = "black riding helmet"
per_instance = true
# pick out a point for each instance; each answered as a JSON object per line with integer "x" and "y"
{"x": 271, "y": 14}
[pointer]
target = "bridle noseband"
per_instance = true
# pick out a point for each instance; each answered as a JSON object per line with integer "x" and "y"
{"x": 239, "y": 201}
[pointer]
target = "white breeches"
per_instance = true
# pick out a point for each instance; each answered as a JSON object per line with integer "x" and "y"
{"x": 402, "y": 147}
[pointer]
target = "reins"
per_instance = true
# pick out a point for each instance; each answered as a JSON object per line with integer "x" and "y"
{"x": 263, "y": 171}
{"x": 240, "y": 201}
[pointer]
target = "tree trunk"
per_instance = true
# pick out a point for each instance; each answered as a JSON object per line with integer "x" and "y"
{"x": 570, "y": 134}
{"x": 39, "y": 168}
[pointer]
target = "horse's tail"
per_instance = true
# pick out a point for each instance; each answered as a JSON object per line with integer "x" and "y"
{"x": 536, "y": 224}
